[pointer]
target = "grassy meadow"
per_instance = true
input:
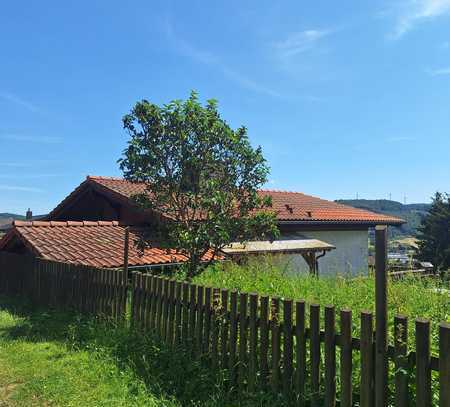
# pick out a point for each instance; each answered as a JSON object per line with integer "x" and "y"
{"x": 412, "y": 297}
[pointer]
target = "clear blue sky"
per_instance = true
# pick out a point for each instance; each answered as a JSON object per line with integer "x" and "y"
{"x": 344, "y": 97}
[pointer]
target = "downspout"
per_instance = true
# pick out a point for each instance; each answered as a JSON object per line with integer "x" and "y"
{"x": 317, "y": 261}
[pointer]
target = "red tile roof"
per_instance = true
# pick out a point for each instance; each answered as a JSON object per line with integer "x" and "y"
{"x": 98, "y": 244}
{"x": 295, "y": 206}
{"x": 289, "y": 206}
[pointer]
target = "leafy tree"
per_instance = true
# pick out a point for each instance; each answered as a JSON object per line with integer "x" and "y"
{"x": 202, "y": 176}
{"x": 434, "y": 233}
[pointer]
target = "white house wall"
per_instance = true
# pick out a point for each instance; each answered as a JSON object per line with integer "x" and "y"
{"x": 349, "y": 257}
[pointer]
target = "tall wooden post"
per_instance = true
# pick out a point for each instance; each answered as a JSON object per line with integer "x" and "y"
{"x": 381, "y": 316}
{"x": 125, "y": 251}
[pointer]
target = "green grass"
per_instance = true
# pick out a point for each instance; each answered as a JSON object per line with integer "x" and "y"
{"x": 54, "y": 358}
{"x": 412, "y": 297}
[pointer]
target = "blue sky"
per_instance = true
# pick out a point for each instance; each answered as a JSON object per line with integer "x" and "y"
{"x": 344, "y": 97}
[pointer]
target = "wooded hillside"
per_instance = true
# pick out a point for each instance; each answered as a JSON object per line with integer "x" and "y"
{"x": 412, "y": 213}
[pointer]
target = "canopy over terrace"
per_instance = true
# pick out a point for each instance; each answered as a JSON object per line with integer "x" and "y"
{"x": 310, "y": 249}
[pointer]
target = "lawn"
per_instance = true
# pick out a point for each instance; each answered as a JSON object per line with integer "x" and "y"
{"x": 47, "y": 359}
{"x": 54, "y": 358}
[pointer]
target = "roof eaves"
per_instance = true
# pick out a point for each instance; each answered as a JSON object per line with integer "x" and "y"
{"x": 389, "y": 222}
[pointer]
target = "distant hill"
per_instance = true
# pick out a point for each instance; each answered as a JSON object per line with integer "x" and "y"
{"x": 412, "y": 213}
{"x": 6, "y": 219}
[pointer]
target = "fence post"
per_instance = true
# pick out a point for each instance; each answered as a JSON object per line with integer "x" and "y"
{"x": 444, "y": 364}
{"x": 381, "y": 316}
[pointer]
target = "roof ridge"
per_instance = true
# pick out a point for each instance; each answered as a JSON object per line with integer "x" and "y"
{"x": 94, "y": 177}
{"x": 69, "y": 223}
{"x": 285, "y": 191}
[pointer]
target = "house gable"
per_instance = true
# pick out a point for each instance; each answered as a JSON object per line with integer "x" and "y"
{"x": 92, "y": 202}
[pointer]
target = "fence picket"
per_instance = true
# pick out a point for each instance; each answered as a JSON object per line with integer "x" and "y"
{"x": 177, "y": 336}
{"x": 200, "y": 319}
{"x": 224, "y": 327}
{"x": 171, "y": 316}
{"x": 330, "y": 357}
{"x": 275, "y": 328}
{"x": 264, "y": 339}
{"x": 215, "y": 329}
{"x": 444, "y": 364}
{"x": 192, "y": 314}
{"x": 185, "y": 305}
{"x": 154, "y": 302}
{"x": 423, "y": 371}
{"x": 233, "y": 337}
{"x": 253, "y": 343}
{"x": 367, "y": 360}
{"x": 314, "y": 339}
{"x": 243, "y": 301}
{"x": 401, "y": 360}
{"x": 159, "y": 305}
{"x": 346, "y": 358}
{"x": 207, "y": 324}
{"x": 300, "y": 351}
{"x": 165, "y": 308}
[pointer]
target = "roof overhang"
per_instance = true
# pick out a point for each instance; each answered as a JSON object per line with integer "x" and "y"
{"x": 340, "y": 222}
{"x": 278, "y": 247}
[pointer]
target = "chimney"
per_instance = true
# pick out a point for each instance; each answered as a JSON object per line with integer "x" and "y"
{"x": 289, "y": 208}
{"x": 29, "y": 214}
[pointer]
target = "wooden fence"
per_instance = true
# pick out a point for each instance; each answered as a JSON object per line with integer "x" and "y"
{"x": 85, "y": 289}
{"x": 310, "y": 355}
{"x": 286, "y": 346}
